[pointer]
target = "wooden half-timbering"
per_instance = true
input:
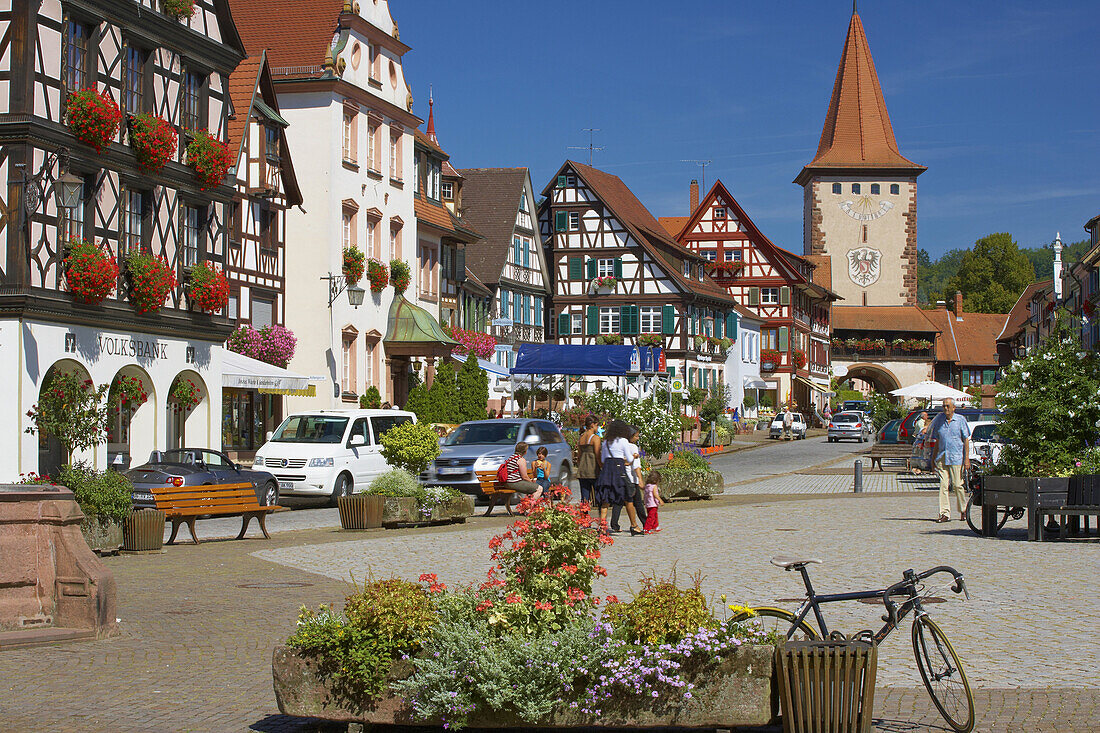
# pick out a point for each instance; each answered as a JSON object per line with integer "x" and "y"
{"x": 255, "y": 260}
{"x": 595, "y": 228}
{"x": 148, "y": 63}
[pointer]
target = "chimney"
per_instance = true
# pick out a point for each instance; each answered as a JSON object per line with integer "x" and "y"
{"x": 693, "y": 198}
{"x": 1058, "y": 267}
{"x": 958, "y": 305}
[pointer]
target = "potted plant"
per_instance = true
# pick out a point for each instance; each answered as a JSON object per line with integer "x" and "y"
{"x": 352, "y": 265}
{"x": 699, "y": 341}
{"x": 651, "y": 339}
{"x": 106, "y": 499}
{"x": 371, "y": 399}
{"x": 94, "y": 117}
{"x": 770, "y": 359}
{"x": 151, "y": 279}
{"x": 184, "y": 394}
{"x": 153, "y": 141}
{"x": 378, "y": 275}
{"x": 178, "y": 9}
{"x": 209, "y": 158}
{"x": 481, "y": 345}
{"x": 609, "y": 339}
{"x": 128, "y": 391}
{"x": 606, "y": 283}
{"x": 399, "y": 275}
{"x": 90, "y": 272}
{"x": 272, "y": 344}
{"x": 208, "y": 287}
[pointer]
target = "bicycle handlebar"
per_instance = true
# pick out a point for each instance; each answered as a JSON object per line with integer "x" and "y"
{"x": 959, "y": 586}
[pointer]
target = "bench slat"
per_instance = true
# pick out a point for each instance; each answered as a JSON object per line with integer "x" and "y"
{"x": 213, "y": 503}
{"x": 221, "y": 512}
{"x": 169, "y": 490}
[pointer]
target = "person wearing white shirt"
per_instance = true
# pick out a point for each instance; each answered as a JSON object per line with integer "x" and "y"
{"x": 615, "y": 485}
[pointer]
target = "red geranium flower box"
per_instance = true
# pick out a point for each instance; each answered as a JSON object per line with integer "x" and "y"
{"x": 94, "y": 118}
{"x": 153, "y": 141}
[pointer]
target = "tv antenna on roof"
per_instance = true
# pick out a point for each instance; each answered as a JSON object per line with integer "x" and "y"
{"x": 591, "y": 147}
{"x": 703, "y": 165}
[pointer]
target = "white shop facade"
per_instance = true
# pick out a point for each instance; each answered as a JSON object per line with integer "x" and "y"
{"x": 31, "y": 350}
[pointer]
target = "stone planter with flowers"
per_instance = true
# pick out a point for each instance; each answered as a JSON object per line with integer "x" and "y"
{"x": 94, "y": 117}
{"x": 90, "y": 271}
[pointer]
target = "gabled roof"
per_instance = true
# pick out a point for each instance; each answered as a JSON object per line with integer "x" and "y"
{"x": 644, "y": 228}
{"x": 1021, "y": 311}
{"x": 899, "y": 318}
{"x": 857, "y": 133}
{"x": 672, "y": 224}
{"x": 490, "y": 201}
{"x": 976, "y": 337}
{"x": 295, "y": 33}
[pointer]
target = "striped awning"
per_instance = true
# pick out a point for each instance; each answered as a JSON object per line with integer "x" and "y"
{"x": 246, "y": 373}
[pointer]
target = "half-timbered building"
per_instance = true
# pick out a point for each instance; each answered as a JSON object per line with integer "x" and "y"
{"x": 148, "y": 62}
{"x": 500, "y": 202}
{"x": 618, "y": 277}
{"x": 776, "y": 285}
{"x": 255, "y": 260}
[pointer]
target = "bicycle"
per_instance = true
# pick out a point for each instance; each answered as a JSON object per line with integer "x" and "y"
{"x": 940, "y": 667}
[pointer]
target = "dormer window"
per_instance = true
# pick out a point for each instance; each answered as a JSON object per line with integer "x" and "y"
{"x": 271, "y": 144}
{"x": 447, "y": 191}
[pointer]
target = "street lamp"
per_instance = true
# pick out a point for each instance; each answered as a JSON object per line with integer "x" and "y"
{"x": 355, "y": 293}
{"x": 66, "y": 188}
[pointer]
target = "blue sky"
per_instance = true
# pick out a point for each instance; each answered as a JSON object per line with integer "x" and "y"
{"x": 999, "y": 99}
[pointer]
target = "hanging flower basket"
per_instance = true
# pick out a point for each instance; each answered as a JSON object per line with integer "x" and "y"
{"x": 770, "y": 359}
{"x": 90, "y": 271}
{"x": 184, "y": 394}
{"x": 153, "y": 141}
{"x": 208, "y": 288}
{"x": 798, "y": 359}
{"x": 209, "y": 158}
{"x": 353, "y": 264}
{"x": 378, "y": 274}
{"x": 178, "y": 8}
{"x": 399, "y": 275}
{"x": 151, "y": 279}
{"x": 94, "y": 118}
{"x": 271, "y": 344}
{"x": 129, "y": 392}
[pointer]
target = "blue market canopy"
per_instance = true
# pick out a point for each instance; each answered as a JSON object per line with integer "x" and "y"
{"x": 585, "y": 361}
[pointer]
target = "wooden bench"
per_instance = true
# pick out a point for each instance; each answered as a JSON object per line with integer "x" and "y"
{"x": 1081, "y": 500}
{"x": 185, "y": 504}
{"x": 495, "y": 491}
{"x": 890, "y": 452}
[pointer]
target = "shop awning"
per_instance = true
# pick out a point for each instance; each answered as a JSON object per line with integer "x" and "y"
{"x": 246, "y": 373}
{"x": 811, "y": 385}
{"x": 413, "y": 331}
{"x": 755, "y": 383}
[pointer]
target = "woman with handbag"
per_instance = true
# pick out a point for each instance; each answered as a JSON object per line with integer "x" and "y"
{"x": 613, "y": 486}
{"x": 588, "y": 459}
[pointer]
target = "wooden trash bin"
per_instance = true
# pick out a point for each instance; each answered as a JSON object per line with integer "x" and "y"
{"x": 826, "y": 685}
{"x": 361, "y": 511}
{"x": 143, "y": 530}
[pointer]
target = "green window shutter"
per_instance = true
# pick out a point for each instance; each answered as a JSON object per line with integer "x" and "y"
{"x": 631, "y": 321}
{"x": 561, "y": 181}
{"x": 593, "y": 320}
{"x": 618, "y": 268}
{"x": 563, "y": 324}
{"x": 576, "y": 268}
{"x": 591, "y": 267}
{"x": 731, "y": 325}
{"x": 624, "y": 319}
{"x": 784, "y": 295}
{"x": 691, "y": 376}
{"x": 668, "y": 320}
{"x": 561, "y": 221}
{"x": 783, "y": 338}
{"x": 754, "y": 296}
{"x": 671, "y": 371}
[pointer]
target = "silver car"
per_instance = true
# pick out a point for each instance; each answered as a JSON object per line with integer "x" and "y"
{"x": 850, "y": 426}
{"x": 482, "y": 445}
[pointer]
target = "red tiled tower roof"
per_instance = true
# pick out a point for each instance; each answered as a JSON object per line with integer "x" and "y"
{"x": 857, "y": 132}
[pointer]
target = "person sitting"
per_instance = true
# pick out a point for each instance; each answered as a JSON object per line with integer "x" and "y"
{"x": 541, "y": 467}
{"x": 518, "y": 477}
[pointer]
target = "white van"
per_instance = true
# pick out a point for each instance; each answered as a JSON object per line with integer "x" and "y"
{"x": 328, "y": 452}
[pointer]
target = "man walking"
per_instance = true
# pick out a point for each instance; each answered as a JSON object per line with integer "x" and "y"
{"x": 951, "y": 456}
{"x": 788, "y": 422}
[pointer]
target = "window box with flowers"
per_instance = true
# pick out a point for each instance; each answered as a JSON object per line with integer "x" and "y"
{"x": 604, "y": 284}
{"x": 178, "y": 9}
{"x": 378, "y": 275}
{"x": 90, "y": 271}
{"x": 184, "y": 395}
{"x": 153, "y": 141}
{"x": 209, "y": 158}
{"x": 271, "y": 344}
{"x": 798, "y": 359}
{"x": 609, "y": 339}
{"x": 700, "y": 342}
{"x": 651, "y": 339}
{"x": 481, "y": 345}
{"x": 208, "y": 287}
{"x": 352, "y": 265}
{"x": 400, "y": 276}
{"x": 94, "y": 118}
{"x": 151, "y": 279}
{"x": 770, "y": 359}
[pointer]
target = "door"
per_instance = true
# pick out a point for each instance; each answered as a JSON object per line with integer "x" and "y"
{"x": 359, "y": 455}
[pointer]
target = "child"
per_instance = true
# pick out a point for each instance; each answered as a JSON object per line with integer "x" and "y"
{"x": 542, "y": 469}
{"x": 652, "y": 501}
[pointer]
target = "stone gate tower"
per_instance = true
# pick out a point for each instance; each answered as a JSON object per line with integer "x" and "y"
{"x": 860, "y": 192}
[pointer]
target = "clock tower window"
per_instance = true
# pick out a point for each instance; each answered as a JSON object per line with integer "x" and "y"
{"x": 875, "y": 190}
{"x": 855, "y": 188}
{"x": 837, "y": 188}
{"x": 895, "y": 189}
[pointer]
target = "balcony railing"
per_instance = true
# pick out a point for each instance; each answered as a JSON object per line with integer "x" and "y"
{"x": 520, "y": 274}
{"x": 887, "y": 352}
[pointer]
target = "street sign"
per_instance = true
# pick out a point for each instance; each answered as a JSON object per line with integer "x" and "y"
{"x": 503, "y": 322}
{"x": 676, "y": 385}
{"x": 503, "y": 347}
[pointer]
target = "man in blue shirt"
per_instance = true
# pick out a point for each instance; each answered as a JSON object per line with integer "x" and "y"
{"x": 950, "y": 434}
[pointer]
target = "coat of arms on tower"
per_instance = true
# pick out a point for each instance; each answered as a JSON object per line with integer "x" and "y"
{"x": 864, "y": 266}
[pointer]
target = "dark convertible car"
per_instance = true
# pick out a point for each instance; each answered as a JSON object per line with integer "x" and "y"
{"x": 194, "y": 467}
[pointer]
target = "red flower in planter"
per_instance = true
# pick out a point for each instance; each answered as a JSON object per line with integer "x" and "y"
{"x": 353, "y": 265}
{"x": 90, "y": 271}
{"x": 94, "y": 118}
{"x": 400, "y": 276}
{"x": 208, "y": 288}
{"x": 153, "y": 141}
{"x": 178, "y": 8}
{"x": 151, "y": 279}
{"x": 210, "y": 158}
{"x": 378, "y": 274}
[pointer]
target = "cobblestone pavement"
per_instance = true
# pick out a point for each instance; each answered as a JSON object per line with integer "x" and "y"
{"x": 780, "y": 456}
{"x": 837, "y": 483}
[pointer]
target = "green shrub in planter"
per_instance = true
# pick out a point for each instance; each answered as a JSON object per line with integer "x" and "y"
{"x": 104, "y": 494}
{"x": 411, "y": 446}
{"x": 661, "y": 612}
{"x": 397, "y": 482}
{"x": 688, "y": 460}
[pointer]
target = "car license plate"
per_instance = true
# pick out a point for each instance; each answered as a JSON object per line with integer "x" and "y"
{"x": 142, "y": 496}
{"x": 451, "y": 471}
{"x": 286, "y": 485}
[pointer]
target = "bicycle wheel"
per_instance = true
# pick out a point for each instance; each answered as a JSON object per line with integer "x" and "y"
{"x": 1002, "y": 515}
{"x": 770, "y": 620}
{"x": 943, "y": 675}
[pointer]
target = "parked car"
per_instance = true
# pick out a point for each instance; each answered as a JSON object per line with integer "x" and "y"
{"x": 907, "y": 430}
{"x": 798, "y": 426}
{"x": 984, "y": 437}
{"x": 328, "y": 452}
{"x": 888, "y": 433}
{"x": 855, "y": 406}
{"x": 849, "y": 426}
{"x": 482, "y": 445}
{"x": 195, "y": 467}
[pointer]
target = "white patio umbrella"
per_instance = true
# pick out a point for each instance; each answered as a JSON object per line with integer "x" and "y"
{"x": 931, "y": 391}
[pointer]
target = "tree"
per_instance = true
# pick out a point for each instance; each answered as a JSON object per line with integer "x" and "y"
{"x": 411, "y": 446}
{"x": 371, "y": 398}
{"x": 72, "y": 410}
{"x": 716, "y": 403}
{"x": 417, "y": 402}
{"x": 473, "y": 390}
{"x": 992, "y": 275}
{"x": 443, "y": 396}
{"x": 883, "y": 410}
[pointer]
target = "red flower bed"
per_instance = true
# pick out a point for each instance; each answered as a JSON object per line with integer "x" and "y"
{"x": 94, "y": 118}
{"x": 151, "y": 279}
{"x": 153, "y": 141}
{"x": 210, "y": 158}
{"x": 209, "y": 288}
{"x": 91, "y": 272}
